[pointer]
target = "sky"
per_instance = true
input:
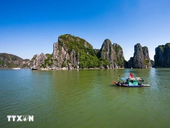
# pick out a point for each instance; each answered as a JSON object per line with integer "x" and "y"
{"x": 29, "y": 27}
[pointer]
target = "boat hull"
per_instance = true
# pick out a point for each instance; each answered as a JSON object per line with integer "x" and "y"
{"x": 126, "y": 85}
{"x": 135, "y": 85}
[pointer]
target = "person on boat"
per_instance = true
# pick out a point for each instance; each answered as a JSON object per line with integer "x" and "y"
{"x": 119, "y": 83}
{"x": 130, "y": 75}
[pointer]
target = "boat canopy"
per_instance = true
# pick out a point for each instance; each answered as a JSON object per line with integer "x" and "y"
{"x": 134, "y": 79}
{"x": 124, "y": 79}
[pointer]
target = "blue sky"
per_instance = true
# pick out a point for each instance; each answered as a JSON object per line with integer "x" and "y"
{"x": 29, "y": 27}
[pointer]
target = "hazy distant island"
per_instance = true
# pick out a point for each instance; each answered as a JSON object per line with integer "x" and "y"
{"x": 13, "y": 61}
{"x": 71, "y": 52}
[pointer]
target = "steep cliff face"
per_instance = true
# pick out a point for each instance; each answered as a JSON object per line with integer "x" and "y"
{"x": 112, "y": 53}
{"x": 71, "y": 52}
{"x": 162, "y": 56}
{"x": 13, "y": 61}
{"x": 138, "y": 58}
{"x": 130, "y": 63}
{"x": 37, "y": 61}
{"x": 119, "y": 58}
{"x": 141, "y": 57}
{"x": 107, "y": 52}
{"x": 64, "y": 58}
{"x": 64, "y": 53}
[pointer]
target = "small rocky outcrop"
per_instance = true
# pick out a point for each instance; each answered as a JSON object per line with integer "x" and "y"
{"x": 112, "y": 53}
{"x": 13, "y": 61}
{"x": 141, "y": 57}
{"x": 37, "y": 61}
{"x": 162, "y": 56}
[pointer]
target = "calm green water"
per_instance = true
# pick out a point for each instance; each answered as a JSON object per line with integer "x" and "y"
{"x": 85, "y": 99}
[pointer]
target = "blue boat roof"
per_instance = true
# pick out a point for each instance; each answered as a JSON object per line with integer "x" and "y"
{"x": 124, "y": 79}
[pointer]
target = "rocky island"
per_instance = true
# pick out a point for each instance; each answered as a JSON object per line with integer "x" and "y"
{"x": 71, "y": 52}
{"x": 112, "y": 53}
{"x": 140, "y": 58}
{"x": 162, "y": 56}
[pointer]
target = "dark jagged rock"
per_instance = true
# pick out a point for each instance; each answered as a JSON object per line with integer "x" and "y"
{"x": 138, "y": 57}
{"x": 141, "y": 57}
{"x": 107, "y": 52}
{"x": 13, "y": 61}
{"x": 152, "y": 63}
{"x": 112, "y": 53}
{"x": 125, "y": 64}
{"x": 162, "y": 56}
{"x": 130, "y": 63}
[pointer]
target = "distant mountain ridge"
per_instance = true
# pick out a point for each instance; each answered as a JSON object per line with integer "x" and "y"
{"x": 13, "y": 61}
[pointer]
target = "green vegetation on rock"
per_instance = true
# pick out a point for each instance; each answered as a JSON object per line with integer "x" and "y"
{"x": 88, "y": 61}
{"x": 120, "y": 61}
{"x": 76, "y": 43}
{"x": 63, "y": 64}
{"x": 146, "y": 62}
{"x": 48, "y": 61}
{"x": 85, "y": 53}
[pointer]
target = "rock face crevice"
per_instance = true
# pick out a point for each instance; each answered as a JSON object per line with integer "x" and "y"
{"x": 162, "y": 56}
{"x": 140, "y": 58}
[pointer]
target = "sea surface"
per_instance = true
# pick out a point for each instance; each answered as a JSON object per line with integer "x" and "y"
{"x": 85, "y": 99}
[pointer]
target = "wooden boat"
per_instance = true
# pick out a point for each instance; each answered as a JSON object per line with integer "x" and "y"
{"x": 131, "y": 82}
